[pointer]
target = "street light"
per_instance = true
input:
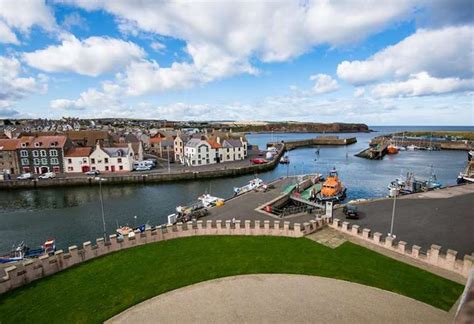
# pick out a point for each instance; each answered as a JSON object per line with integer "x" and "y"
{"x": 102, "y": 204}
{"x": 396, "y": 190}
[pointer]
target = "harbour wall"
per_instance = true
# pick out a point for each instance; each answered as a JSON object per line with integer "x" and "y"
{"x": 433, "y": 256}
{"x": 22, "y": 273}
{"x": 146, "y": 178}
{"x": 333, "y": 140}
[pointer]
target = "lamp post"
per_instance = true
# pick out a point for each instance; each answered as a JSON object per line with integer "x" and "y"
{"x": 397, "y": 188}
{"x": 102, "y": 204}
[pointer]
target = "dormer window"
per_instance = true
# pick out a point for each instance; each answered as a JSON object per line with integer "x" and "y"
{"x": 24, "y": 144}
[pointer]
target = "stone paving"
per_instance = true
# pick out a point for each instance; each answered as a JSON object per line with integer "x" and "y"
{"x": 328, "y": 237}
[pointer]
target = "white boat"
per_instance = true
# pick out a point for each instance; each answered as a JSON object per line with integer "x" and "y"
{"x": 253, "y": 184}
{"x": 208, "y": 200}
{"x": 411, "y": 147}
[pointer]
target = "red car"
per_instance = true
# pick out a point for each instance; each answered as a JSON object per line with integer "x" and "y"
{"x": 258, "y": 161}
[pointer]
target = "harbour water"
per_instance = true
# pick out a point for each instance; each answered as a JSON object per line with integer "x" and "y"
{"x": 73, "y": 215}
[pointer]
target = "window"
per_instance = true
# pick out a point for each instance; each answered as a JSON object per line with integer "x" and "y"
{"x": 93, "y": 168}
{"x": 24, "y": 161}
{"x": 120, "y": 167}
{"x": 70, "y": 168}
{"x": 24, "y": 153}
{"x": 84, "y": 160}
{"x": 69, "y": 161}
{"x": 119, "y": 160}
{"x": 44, "y": 161}
{"x": 199, "y": 156}
{"x": 54, "y": 161}
{"x": 207, "y": 161}
{"x": 227, "y": 150}
{"x": 36, "y": 161}
{"x": 228, "y": 157}
{"x": 92, "y": 161}
{"x": 56, "y": 169}
{"x": 53, "y": 152}
{"x": 43, "y": 153}
{"x": 106, "y": 160}
{"x": 193, "y": 162}
{"x": 207, "y": 155}
{"x": 199, "y": 161}
{"x": 106, "y": 168}
{"x": 35, "y": 153}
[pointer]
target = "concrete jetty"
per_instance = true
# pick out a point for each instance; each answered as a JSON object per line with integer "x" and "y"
{"x": 321, "y": 140}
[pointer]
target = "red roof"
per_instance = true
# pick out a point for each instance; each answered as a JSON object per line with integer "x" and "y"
{"x": 214, "y": 144}
{"x": 9, "y": 144}
{"x": 156, "y": 139}
{"x": 78, "y": 152}
{"x": 44, "y": 141}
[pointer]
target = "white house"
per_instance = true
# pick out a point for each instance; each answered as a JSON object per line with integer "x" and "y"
{"x": 199, "y": 152}
{"x": 77, "y": 160}
{"x": 112, "y": 159}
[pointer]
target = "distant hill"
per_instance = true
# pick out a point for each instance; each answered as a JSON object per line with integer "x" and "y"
{"x": 303, "y": 128}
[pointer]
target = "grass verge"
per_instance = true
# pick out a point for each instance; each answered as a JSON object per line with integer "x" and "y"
{"x": 97, "y": 290}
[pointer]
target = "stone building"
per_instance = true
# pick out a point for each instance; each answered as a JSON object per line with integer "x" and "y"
{"x": 8, "y": 156}
{"x": 41, "y": 154}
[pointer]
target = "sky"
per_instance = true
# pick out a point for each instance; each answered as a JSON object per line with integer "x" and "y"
{"x": 379, "y": 62}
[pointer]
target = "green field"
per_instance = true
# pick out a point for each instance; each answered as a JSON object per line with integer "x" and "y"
{"x": 463, "y": 135}
{"x": 97, "y": 290}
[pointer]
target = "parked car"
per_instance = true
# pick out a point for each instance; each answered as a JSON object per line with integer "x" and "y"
{"x": 93, "y": 172}
{"x": 47, "y": 175}
{"x": 143, "y": 168}
{"x": 258, "y": 161}
{"x": 350, "y": 211}
{"x": 25, "y": 176}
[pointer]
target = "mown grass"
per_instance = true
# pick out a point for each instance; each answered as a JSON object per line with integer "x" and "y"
{"x": 97, "y": 290}
{"x": 463, "y": 134}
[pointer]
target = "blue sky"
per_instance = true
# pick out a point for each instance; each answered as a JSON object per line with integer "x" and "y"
{"x": 376, "y": 62}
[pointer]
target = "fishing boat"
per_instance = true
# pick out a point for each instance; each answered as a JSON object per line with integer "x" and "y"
{"x": 285, "y": 160}
{"x": 16, "y": 254}
{"x": 432, "y": 182}
{"x": 22, "y": 251}
{"x": 123, "y": 231}
{"x": 253, "y": 184}
{"x": 333, "y": 189}
{"x": 467, "y": 176}
{"x": 209, "y": 201}
{"x": 392, "y": 149}
{"x": 411, "y": 147}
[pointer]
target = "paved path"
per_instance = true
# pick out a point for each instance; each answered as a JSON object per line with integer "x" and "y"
{"x": 444, "y": 217}
{"x": 279, "y": 298}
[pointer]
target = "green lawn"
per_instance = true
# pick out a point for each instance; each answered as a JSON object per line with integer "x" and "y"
{"x": 101, "y": 288}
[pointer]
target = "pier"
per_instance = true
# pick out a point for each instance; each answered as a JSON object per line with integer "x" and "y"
{"x": 376, "y": 151}
{"x": 321, "y": 140}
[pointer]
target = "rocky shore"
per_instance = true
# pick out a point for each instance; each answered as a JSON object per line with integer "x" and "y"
{"x": 286, "y": 127}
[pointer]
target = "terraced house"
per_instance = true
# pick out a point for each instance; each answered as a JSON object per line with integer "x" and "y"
{"x": 41, "y": 154}
{"x": 8, "y": 156}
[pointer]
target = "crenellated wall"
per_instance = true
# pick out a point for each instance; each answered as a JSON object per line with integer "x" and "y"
{"x": 21, "y": 273}
{"x": 432, "y": 257}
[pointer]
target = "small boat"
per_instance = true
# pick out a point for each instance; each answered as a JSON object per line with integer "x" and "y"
{"x": 411, "y": 147}
{"x": 209, "y": 201}
{"x": 332, "y": 189}
{"x": 432, "y": 182}
{"x": 123, "y": 231}
{"x": 285, "y": 160}
{"x": 392, "y": 149}
{"x": 22, "y": 251}
{"x": 16, "y": 254}
{"x": 253, "y": 184}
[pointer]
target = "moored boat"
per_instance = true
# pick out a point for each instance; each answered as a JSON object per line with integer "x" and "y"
{"x": 332, "y": 189}
{"x": 22, "y": 251}
{"x": 253, "y": 184}
{"x": 392, "y": 149}
{"x": 285, "y": 160}
{"x": 210, "y": 201}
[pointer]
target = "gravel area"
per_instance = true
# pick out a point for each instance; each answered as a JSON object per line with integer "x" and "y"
{"x": 278, "y": 298}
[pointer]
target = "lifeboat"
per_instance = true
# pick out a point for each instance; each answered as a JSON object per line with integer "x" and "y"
{"x": 333, "y": 189}
{"x": 391, "y": 149}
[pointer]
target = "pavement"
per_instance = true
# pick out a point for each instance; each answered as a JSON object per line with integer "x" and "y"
{"x": 280, "y": 298}
{"x": 444, "y": 217}
{"x": 243, "y": 206}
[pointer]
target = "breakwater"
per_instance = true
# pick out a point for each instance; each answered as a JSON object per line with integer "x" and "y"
{"x": 146, "y": 178}
{"x": 322, "y": 140}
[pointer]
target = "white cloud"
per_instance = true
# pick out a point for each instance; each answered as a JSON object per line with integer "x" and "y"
{"x": 157, "y": 46}
{"x": 14, "y": 85}
{"x": 324, "y": 83}
{"x": 22, "y": 15}
{"x": 7, "y": 35}
{"x": 222, "y": 38}
{"x": 446, "y": 52}
{"x": 359, "y": 92}
{"x": 92, "y": 56}
{"x": 422, "y": 84}
{"x": 108, "y": 98}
